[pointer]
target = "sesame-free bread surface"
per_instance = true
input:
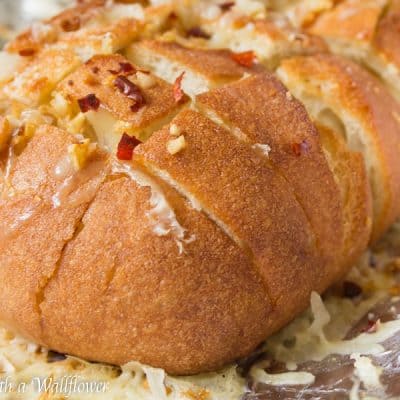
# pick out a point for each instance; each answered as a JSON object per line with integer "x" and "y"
{"x": 169, "y": 201}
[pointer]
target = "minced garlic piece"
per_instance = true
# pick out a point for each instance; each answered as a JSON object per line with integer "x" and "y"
{"x": 60, "y": 105}
{"x": 80, "y": 152}
{"x": 174, "y": 146}
{"x": 76, "y": 124}
{"x": 174, "y": 130}
{"x": 145, "y": 81}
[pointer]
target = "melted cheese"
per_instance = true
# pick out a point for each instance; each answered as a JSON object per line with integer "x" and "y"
{"x": 9, "y": 63}
{"x": 367, "y": 372}
{"x": 286, "y": 378}
{"x": 161, "y": 216}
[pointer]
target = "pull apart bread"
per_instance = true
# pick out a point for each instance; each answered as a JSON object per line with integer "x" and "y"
{"x": 164, "y": 197}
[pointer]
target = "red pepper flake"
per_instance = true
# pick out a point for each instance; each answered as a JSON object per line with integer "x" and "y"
{"x": 300, "y": 148}
{"x": 95, "y": 70}
{"x": 372, "y": 326}
{"x": 124, "y": 68}
{"x": 227, "y": 5}
{"x": 27, "y": 52}
{"x": 90, "y": 102}
{"x": 178, "y": 92}
{"x": 71, "y": 25}
{"x": 130, "y": 90}
{"x": 245, "y": 59}
{"x": 70, "y": 82}
{"x": 197, "y": 32}
{"x": 351, "y": 290}
{"x": 126, "y": 146}
{"x": 127, "y": 68}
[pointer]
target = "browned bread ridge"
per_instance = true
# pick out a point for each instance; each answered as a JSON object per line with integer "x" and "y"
{"x": 347, "y": 97}
{"x": 368, "y": 31}
{"x": 169, "y": 201}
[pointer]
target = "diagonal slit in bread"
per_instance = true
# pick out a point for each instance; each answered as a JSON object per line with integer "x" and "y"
{"x": 260, "y": 108}
{"x": 204, "y": 68}
{"x": 208, "y": 148}
{"x": 362, "y": 106}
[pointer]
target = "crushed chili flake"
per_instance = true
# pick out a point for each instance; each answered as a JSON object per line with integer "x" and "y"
{"x": 71, "y": 25}
{"x": 178, "y": 92}
{"x": 372, "y": 326}
{"x": 227, "y": 5}
{"x": 127, "y": 68}
{"x": 245, "y": 59}
{"x": 95, "y": 70}
{"x": 90, "y": 102}
{"x": 300, "y": 148}
{"x": 124, "y": 68}
{"x": 126, "y": 146}
{"x": 351, "y": 289}
{"x": 27, "y": 52}
{"x": 131, "y": 91}
{"x": 197, "y": 32}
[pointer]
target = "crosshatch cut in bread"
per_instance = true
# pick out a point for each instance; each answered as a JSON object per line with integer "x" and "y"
{"x": 165, "y": 198}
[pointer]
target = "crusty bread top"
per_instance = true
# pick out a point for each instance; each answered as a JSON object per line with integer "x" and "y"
{"x": 57, "y": 26}
{"x": 259, "y": 109}
{"x": 354, "y": 20}
{"x": 141, "y": 277}
{"x": 354, "y": 94}
{"x": 186, "y": 251}
{"x": 98, "y": 76}
{"x": 387, "y": 34}
{"x": 216, "y": 65}
{"x": 370, "y": 24}
{"x": 228, "y": 201}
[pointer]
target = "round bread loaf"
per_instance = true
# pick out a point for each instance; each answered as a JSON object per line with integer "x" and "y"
{"x": 168, "y": 201}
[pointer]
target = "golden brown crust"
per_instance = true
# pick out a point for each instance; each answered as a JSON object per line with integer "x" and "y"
{"x": 265, "y": 227}
{"x": 255, "y": 106}
{"x": 354, "y": 20}
{"x": 215, "y": 65}
{"x": 270, "y": 35}
{"x": 387, "y": 36}
{"x": 158, "y": 308}
{"x": 105, "y": 37}
{"x": 95, "y": 77}
{"x": 367, "y": 26}
{"x": 297, "y": 41}
{"x": 29, "y": 220}
{"x": 356, "y": 95}
{"x": 36, "y": 78}
{"x": 192, "y": 254}
{"x": 55, "y": 27}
